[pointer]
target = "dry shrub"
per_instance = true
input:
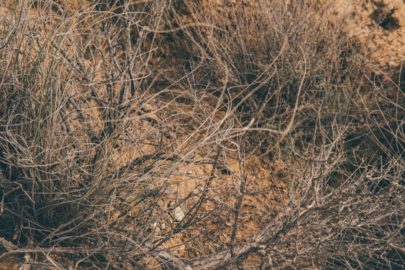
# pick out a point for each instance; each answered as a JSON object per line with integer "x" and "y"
{"x": 114, "y": 117}
{"x": 70, "y": 93}
{"x": 275, "y": 60}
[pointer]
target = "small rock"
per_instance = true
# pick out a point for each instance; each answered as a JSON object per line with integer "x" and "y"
{"x": 178, "y": 214}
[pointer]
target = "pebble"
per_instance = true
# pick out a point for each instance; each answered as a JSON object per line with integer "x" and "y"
{"x": 178, "y": 214}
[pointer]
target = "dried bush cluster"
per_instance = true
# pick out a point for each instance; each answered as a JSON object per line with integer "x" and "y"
{"x": 196, "y": 135}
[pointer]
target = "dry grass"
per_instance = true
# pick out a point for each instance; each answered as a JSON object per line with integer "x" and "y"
{"x": 258, "y": 121}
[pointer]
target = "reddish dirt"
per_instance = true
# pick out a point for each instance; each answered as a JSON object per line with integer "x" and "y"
{"x": 378, "y": 24}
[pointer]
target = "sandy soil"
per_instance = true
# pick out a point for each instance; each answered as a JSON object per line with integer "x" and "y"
{"x": 378, "y": 24}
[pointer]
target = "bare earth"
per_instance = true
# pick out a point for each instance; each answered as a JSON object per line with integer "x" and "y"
{"x": 379, "y": 26}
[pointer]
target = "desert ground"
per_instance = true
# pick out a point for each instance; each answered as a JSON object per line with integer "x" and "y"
{"x": 209, "y": 134}
{"x": 379, "y": 25}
